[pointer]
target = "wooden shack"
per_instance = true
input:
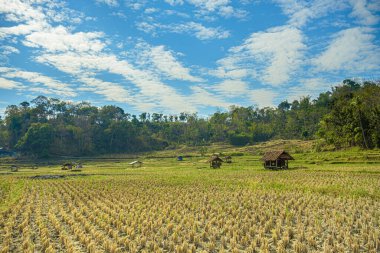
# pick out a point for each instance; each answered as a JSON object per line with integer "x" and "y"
{"x": 67, "y": 166}
{"x": 215, "y": 162}
{"x": 276, "y": 159}
{"x": 228, "y": 159}
{"x": 136, "y": 164}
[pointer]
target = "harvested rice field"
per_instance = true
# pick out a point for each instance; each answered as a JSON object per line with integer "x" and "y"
{"x": 171, "y": 206}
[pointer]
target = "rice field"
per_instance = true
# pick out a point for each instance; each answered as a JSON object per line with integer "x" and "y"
{"x": 329, "y": 204}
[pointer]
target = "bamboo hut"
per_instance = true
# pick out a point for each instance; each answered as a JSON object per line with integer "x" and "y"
{"x": 67, "y": 166}
{"x": 215, "y": 162}
{"x": 276, "y": 159}
{"x": 136, "y": 164}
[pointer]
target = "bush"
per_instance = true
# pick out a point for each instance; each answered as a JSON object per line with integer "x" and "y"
{"x": 237, "y": 154}
{"x": 240, "y": 139}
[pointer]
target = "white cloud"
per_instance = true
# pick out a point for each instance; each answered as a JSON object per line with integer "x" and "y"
{"x": 49, "y": 85}
{"x": 111, "y": 91}
{"x": 151, "y": 10}
{"x": 207, "y": 7}
{"x": 119, "y": 14}
{"x": 352, "y": 49}
{"x": 9, "y": 84}
{"x": 57, "y": 12}
{"x": 148, "y": 27}
{"x": 111, "y": 3}
{"x": 31, "y": 19}
{"x": 232, "y": 88}
{"x": 82, "y": 54}
{"x": 176, "y": 13}
{"x": 220, "y": 7}
{"x": 136, "y": 4}
{"x": 300, "y": 11}
{"x": 263, "y": 97}
{"x": 60, "y": 39}
{"x": 167, "y": 64}
{"x": 203, "y": 98}
{"x": 21, "y": 29}
{"x": 174, "y": 2}
{"x": 210, "y": 5}
{"x": 231, "y": 67}
{"x": 150, "y": 89}
{"x": 361, "y": 9}
{"x": 20, "y": 11}
{"x": 200, "y": 31}
{"x": 309, "y": 87}
{"x": 224, "y": 72}
{"x": 227, "y": 11}
{"x": 195, "y": 29}
{"x": 276, "y": 53}
{"x": 7, "y": 50}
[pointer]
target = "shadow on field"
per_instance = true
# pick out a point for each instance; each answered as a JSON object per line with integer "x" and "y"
{"x": 291, "y": 168}
{"x": 59, "y": 176}
{"x": 77, "y": 175}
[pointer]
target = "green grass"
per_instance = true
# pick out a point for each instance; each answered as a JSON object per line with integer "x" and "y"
{"x": 11, "y": 189}
{"x": 341, "y": 179}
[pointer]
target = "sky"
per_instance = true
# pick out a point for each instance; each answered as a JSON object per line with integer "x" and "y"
{"x": 175, "y": 56}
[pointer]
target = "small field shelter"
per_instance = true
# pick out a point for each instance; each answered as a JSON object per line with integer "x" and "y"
{"x": 276, "y": 159}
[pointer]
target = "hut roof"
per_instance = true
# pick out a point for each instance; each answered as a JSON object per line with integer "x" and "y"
{"x": 215, "y": 158}
{"x": 135, "y": 162}
{"x": 278, "y": 154}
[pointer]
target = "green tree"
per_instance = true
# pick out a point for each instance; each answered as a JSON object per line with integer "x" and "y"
{"x": 37, "y": 140}
{"x": 354, "y": 116}
{"x": 239, "y": 139}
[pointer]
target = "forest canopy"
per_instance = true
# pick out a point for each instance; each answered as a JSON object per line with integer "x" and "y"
{"x": 348, "y": 115}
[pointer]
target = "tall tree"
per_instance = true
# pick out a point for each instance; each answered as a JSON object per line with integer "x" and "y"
{"x": 37, "y": 140}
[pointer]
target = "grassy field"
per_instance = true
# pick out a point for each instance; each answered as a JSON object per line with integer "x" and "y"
{"x": 326, "y": 202}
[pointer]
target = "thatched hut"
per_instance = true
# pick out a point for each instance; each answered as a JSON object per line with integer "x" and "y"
{"x": 276, "y": 159}
{"x": 67, "y": 166}
{"x": 215, "y": 162}
{"x": 136, "y": 164}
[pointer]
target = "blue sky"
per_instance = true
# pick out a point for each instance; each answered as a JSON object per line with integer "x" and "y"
{"x": 176, "y": 56}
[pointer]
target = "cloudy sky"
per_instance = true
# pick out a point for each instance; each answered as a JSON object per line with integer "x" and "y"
{"x": 184, "y": 55}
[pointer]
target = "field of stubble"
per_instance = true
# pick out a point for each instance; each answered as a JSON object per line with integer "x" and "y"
{"x": 170, "y": 206}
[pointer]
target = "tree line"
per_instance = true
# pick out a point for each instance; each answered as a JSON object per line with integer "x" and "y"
{"x": 348, "y": 115}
